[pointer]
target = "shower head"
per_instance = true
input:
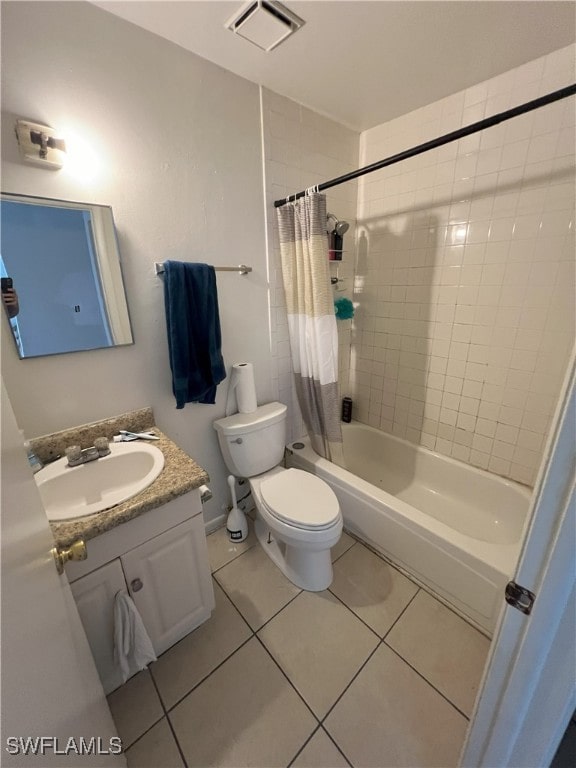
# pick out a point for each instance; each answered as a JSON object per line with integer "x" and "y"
{"x": 340, "y": 227}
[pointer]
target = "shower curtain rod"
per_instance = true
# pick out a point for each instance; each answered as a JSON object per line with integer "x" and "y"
{"x": 488, "y": 122}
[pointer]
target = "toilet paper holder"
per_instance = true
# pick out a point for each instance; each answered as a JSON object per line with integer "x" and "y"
{"x": 205, "y": 493}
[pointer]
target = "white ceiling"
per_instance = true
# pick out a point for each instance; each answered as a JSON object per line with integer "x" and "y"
{"x": 363, "y": 63}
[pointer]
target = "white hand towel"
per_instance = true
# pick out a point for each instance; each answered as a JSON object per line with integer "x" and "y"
{"x": 133, "y": 648}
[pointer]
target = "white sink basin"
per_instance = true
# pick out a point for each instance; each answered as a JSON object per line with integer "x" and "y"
{"x": 69, "y": 492}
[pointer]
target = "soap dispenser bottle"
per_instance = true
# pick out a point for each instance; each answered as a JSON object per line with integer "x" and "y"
{"x": 35, "y": 463}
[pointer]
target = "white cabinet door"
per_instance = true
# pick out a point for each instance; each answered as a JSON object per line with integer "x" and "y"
{"x": 169, "y": 580}
{"x": 94, "y": 595}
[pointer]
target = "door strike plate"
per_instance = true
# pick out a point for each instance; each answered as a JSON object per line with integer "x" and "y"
{"x": 519, "y": 597}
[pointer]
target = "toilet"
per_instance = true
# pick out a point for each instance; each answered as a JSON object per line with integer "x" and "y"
{"x": 298, "y": 517}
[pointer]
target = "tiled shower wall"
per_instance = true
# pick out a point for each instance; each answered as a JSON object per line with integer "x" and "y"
{"x": 465, "y": 274}
{"x": 303, "y": 148}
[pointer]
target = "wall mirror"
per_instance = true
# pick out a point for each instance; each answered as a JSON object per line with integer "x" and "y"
{"x": 62, "y": 261}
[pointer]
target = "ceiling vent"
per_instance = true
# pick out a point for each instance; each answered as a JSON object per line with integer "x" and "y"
{"x": 265, "y": 23}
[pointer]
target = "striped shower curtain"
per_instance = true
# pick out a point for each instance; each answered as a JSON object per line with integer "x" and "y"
{"x": 311, "y": 320}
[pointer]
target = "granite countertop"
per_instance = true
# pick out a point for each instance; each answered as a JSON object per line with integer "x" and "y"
{"x": 180, "y": 474}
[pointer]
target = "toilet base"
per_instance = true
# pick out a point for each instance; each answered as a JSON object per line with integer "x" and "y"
{"x": 309, "y": 570}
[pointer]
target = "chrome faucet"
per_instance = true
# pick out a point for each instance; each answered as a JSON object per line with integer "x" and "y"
{"x": 77, "y": 455}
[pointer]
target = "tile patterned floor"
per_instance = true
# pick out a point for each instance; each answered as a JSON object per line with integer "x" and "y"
{"x": 372, "y": 672}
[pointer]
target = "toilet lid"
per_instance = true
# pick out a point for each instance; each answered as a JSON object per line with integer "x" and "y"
{"x": 300, "y": 499}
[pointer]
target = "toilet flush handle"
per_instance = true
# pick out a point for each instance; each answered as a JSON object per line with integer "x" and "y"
{"x": 238, "y": 440}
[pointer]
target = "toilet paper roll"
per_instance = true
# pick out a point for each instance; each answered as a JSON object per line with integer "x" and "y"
{"x": 243, "y": 384}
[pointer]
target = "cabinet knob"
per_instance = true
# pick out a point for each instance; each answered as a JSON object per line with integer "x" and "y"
{"x": 136, "y": 585}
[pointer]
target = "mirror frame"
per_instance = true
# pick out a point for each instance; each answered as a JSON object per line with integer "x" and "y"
{"x": 107, "y": 259}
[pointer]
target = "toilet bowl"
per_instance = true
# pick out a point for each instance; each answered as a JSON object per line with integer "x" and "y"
{"x": 298, "y": 517}
{"x": 298, "y": 522}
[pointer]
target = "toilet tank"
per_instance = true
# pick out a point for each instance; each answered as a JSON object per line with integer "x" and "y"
{"x": 252, "y": 443}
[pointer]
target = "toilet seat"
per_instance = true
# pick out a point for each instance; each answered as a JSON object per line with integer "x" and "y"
{"x": 300, "y": 499}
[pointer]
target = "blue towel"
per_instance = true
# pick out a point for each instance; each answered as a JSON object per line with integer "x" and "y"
{"x": 193, "y": 324}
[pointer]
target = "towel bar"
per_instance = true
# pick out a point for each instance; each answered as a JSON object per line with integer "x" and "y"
{"x": 241, "y": 268}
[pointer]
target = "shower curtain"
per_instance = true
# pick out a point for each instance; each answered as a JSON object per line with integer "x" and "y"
{"x": 311, "y": 320}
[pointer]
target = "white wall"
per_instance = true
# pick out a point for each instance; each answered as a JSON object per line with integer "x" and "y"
{"x": 303, "y": 148}
{"x": 465, "y": 273}
{"x": 177, "y": 145}
{"x": 178, "y": 148}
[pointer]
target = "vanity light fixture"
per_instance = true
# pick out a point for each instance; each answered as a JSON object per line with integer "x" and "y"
{"x": 40, "y": 144}
{"x": 266, "y": 23}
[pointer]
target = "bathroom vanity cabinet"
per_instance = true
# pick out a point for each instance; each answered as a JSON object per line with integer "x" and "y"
{"x": 161, "y": 559}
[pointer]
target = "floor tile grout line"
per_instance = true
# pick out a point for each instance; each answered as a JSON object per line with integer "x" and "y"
{"x": 291, "y": 599}
{"x": 157, "y": 690}
{"x": 155, "y": 723}
{"x": 220, "y": 567}
{"x": 354, "y": 614}
{"x": 180, "y": 750}
{"x": 267, "y": 620}
{"x": 418, "y": 588}
{"x": 223, "y": 588}
{"x": 444, "y": 696}
{"x": 402, "y": 612}
{"x": 254, "y": 633}
{"x": 421, "y": 586}
{"x": 167, "y": 712}
{"x": 299, "y": 752}
{"x": 146, "y": 669}
{"x": 388, "y": 561}
{"x": 345, "y": 551}
{"x": 238, "y": 611}
{"x": 183, "y": 639}
{"x": 169, "y": 723}
{"x": 314, "y": 715}
{"x": 309, "y": 739}
{"x": 278, "y": 612}
{"x": 350, "y": 683}
{"x": 151, "y": 669}
{"x": 379, "y": 638}
{"x": 329, "y": 735}
{"x": 284, "y": 606}
{"x": 203, "y": 680}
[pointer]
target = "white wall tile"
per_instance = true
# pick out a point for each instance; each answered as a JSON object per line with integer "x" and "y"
{"x": 465, "y": 280}
{"x": 302, "y": 148}
{"x": 487, "y": 297}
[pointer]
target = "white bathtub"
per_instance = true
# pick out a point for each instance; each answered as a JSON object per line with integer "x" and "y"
{"x": 455, "y": 528}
